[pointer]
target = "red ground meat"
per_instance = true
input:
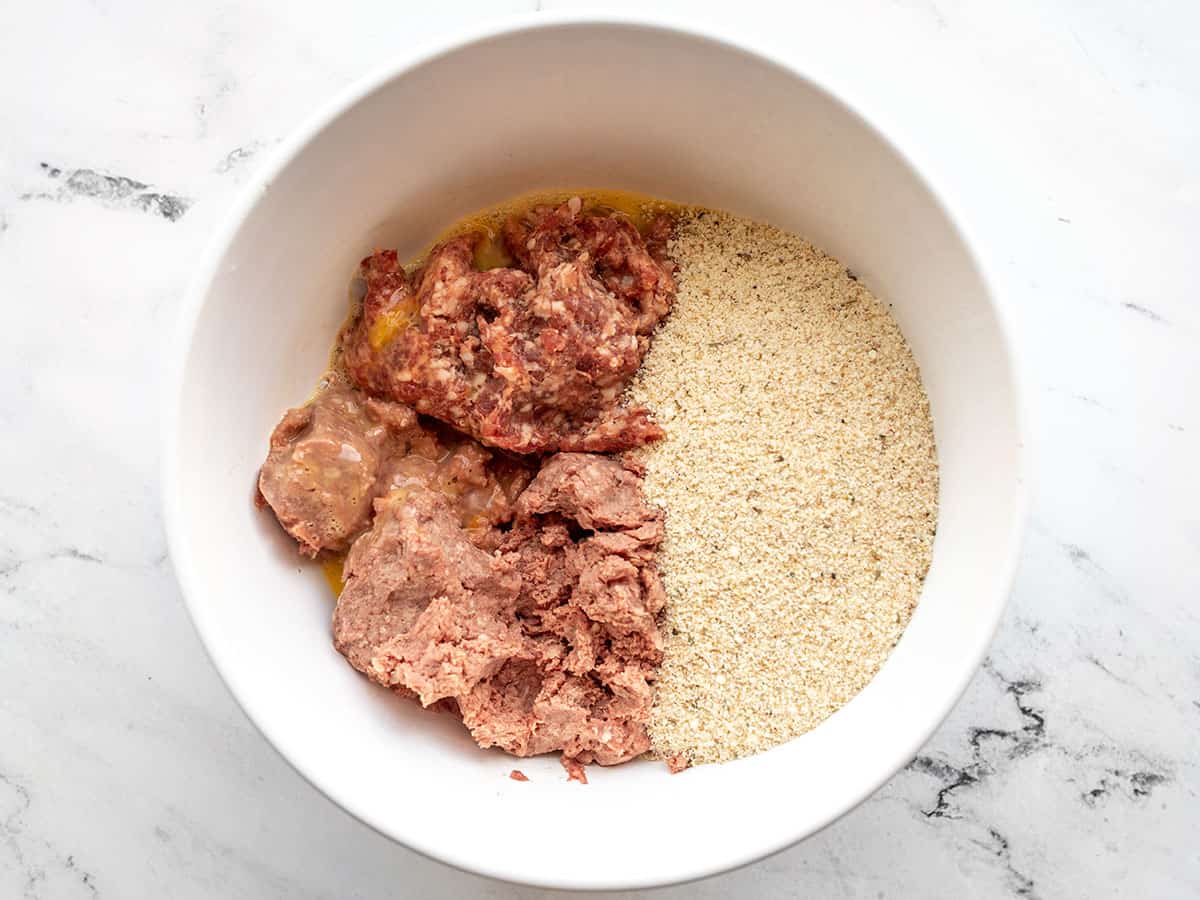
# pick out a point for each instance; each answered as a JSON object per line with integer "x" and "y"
{"x": 530, "y": 360}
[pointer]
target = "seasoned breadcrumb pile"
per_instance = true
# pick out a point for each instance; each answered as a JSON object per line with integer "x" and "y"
{"x": 800, "y": 481}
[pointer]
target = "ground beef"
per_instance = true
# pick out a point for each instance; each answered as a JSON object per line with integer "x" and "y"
{"x": 331, "y": 458}
{"x": 533, "y": 359}
{"x": 631, "y": 267}
{"x": 550, "y": 643}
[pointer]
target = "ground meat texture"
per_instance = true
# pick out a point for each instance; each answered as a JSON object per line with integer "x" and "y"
{"x": 531, "y": 360}
{"x": 481, "y": 485}
{"x": 631, "y": 268}
{"x": 597, "y": 493}
{"x": 548, "y": 644}
{"x": 321, "y": 472}
{"x": 423, "y": 609}
{"x": 584, "y": 543}
{"x": 331, "y": 458}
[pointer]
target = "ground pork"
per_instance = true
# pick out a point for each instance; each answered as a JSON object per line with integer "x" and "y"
{"x": 547, "y": 644}
{"x": 331, "y": 458}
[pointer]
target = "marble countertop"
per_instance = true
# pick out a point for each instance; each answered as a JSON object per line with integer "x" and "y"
{"x": 1067, "y": 134}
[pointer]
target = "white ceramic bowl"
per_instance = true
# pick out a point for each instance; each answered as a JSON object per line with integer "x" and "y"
{"x": 552, "y": 103}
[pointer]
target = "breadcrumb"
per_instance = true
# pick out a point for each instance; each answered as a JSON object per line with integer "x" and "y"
{"x": 799, "y": 475}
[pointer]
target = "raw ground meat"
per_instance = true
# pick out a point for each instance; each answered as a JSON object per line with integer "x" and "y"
{"x": 529, "y": 360}
{"x": 528, "y": 606}
{"x": 331, "y": 458}
{"x": 422, "y": 606}
{"x": 550, "y": 643}
{"x": 323, "y": 467}
{"x": 631, "y": 267}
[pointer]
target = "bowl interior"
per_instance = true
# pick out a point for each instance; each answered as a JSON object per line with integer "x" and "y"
{"x": 572, "y": 105}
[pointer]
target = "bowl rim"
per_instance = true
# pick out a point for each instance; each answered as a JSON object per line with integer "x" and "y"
{"x": 399, "y": 65}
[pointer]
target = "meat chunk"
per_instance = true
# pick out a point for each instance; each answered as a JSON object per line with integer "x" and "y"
{"x": 331, "y": 458}
{"x": 481, "y": 486}
{"x": 529, "y": 361}
{"x": 550, "y": 643}
{"x": 611, "y": 249}
{"x": 585, "y": 531}
{"x": 419, "y": 342}
{"x": 321, "y": 472}
{"x": 595, "y": 491}
{"x": 422, "y": 607}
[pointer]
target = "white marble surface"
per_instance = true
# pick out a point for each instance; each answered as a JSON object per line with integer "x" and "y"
{"x": 1067, "y": 134}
